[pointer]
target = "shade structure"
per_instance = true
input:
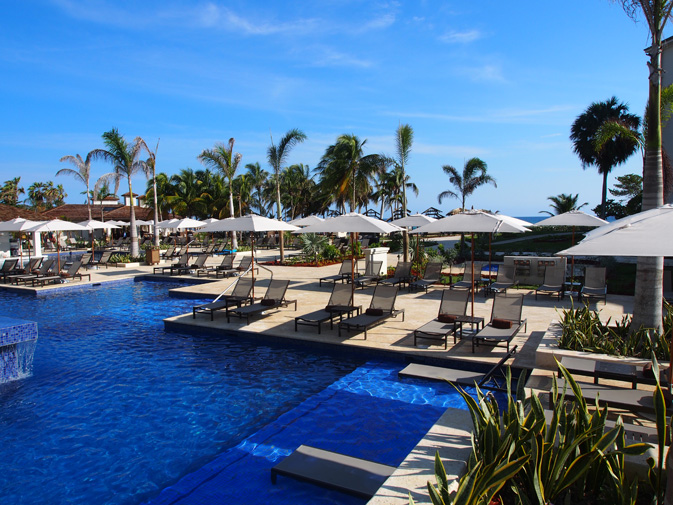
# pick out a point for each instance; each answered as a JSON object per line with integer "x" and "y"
{"x": 251, "y": 223}
{"x": 513, "y": 220}
{"x": 210, "y": 220}
{"x": 646, "y": 234}
{"x": 414, "y": 220}
{"x": 19, "y": 224}
{"x": 307, "y": 221}
{"x": 572, "y": 218}
{"x": 93, "y": 224}
{"x": 58, "y": 225}
{"x": 474, "y": 221}
{"x": 142, "y": 222}
{"x": 181, "y": 224}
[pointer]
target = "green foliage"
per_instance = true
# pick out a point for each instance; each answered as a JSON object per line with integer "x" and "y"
{"x": 313, "y": 244}
{"x": 126, "y": 258}
{"x": 584, "y": 331}
{"x": 521, "y": 457}
{"x": 449, "y": 255}
{"x": 395, "y": 243}
{"x": 331, "y": 253}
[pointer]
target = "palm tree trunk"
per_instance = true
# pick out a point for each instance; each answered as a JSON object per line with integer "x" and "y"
{"x": 156, "y": 207}
{"x": 604, "y": 194}
{"x": 234, "y": 242}
{"x": 88, "y": 199}
{"x": 135, "y": 251}
{"x": 278, "y": 214}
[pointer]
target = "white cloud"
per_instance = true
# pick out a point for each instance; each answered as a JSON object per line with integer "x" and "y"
{"x": 483, "y": 73}
{"x": 466, "y": 37}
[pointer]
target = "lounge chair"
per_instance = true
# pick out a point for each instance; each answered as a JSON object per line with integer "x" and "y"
{"x": 181, "y": 263}
{"x": 240, "y": 295}
{"x": 467, "y": 281}
{"x": 505, "y": 324}
{"x": 554, "y": 278}
{"x": 274, "y": 299}
{"x": 31, "y": 268}
{"x": 9, "y": 268}
{"x": 382, "y": 307}
{"x": 85, "y": 259}
{"x": 492, "y": 379}
{"x": 245, "y": 265}
{"x": 44, "y": 270}
{"x": 454, "y": 303}
{"x": 613, "y": 370}
{"x": 225, "y": 268}
{"x": 402, "y": 275}
{"x": 347, "y": 474}
{"x": 371, "y": 276}
{"x": 595, "y": 285}
{"x": 634, "y": 400}
{"x": 209, "y": 249}
{"x": 168, "y": 253}
{"x": 431, "y": 276}
{"x": 340, "y": 303}
{"x": 71, "y": 274}
{"x": 506, "y": 279}
{"x": 199, "y": 263}
{"x": 104, "y": 260}
{"x": 345, "y": 271}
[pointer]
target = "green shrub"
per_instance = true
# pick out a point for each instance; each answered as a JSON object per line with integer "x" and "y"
{"x": 331, "y": 253}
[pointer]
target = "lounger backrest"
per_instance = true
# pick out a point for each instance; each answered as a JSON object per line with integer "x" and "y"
{"x": 74, "y": 268}
{"x": 169, "y": 251}
{"x": 276, "y": 290}
{"x": 594, "y": 277}
{"x": 105, "y": 257}
{"x": 46, "y": 266}
{"x": 243, "y": 287}
{"x": 85, "y": 259}
{"x": 183, "y": 260}
{"x": 403, "y": 269}
{"x": 373, "y": 268}
{"x": 245, "y": 263}
{"x": 554, "y": 276}
{"x": 505, "y": 273}
{"x": 228, "y": 261}
{"x": 9, "y": 264}
{"x": 454, "y": 302}
{"x": 33, "y": 264}
{"x": 433, "y": 271}
{"x": 507, "y": 307}
{"x": 346, "y": 267}
{"x": 384, "y": 298}
{"x": 467, "y": 276}
{"x": 342, "y": 295}
{"x": 201, "y": 260}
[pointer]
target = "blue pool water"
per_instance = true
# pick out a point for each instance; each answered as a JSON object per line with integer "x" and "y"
{"x": 117, "y": 410}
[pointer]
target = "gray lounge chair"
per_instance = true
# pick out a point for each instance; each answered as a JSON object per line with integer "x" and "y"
{"x": 44, "y": 270}
{"x": 492, "y": 379}
{"x": 225, "y": 268}
{"x": 402, "y": 275}
{"x": 505, "y": 324}
{"x": 340, "y": 303}
{"x": 345, "y": 272}
{"x": 467, "y": 282}
{"x": 347, "y": 474}
{"x": 71, "y": 274}
{"x": 104, "y": 260}
{"x": 454, "y": 303}
{"x": 244, "y": 266}
{"x": 199, "y": 263}
{"x": 9, "y": 267}
{"x": 595, "y": 285}
{"x": 554, "y": 278}
{"x": 182, "y": 262}
{"x": 240, "y": 295}
{"x": 612, "y": 370}
{"x": 382, "y": 307}
{"x": 431, "y": 276}
{"x": 371, "y": 276}
{"x": 506, "y": 279}
{"x": 85, "y": 259}
{"x": 274, "y": 299}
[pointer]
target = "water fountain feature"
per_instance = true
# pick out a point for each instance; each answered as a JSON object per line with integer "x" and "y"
{"x": 17, "y": 345}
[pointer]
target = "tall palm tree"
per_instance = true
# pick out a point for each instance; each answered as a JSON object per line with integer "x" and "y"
{"x": 186, "y": 198}
{"x": 258, "y": 179}
{"x": 10, "y": 191}
{"x": 563, "y": 203}
{"x": 298, "y": 188}
{"x": 151, "y": 163}
{"x": 158, "y": 196}
{"x": 243, "y": 189}
{"x": 613, "y": 152}
{"x": 403, "y": 140}
{"x": 648, "y": 293}
{"x": 222, "y": 158}
{"x": 82, "y": 173}
{"x": 277, "y": 156}
{"x": 125, "y": 159}
{"x": 473, "y": 175}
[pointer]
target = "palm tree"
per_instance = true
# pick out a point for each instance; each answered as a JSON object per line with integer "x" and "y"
{"x": 616, "y": 150}
{"x": 404, "y": 138}
{"x": 258, "y": 179}
{"x": 243, "y": 190}
{"x": 158, "y": 197}
{"x": 277, "y": 157}
{"x": 473, "y": 175}
{"x": 298, "y": 188}
{"x": 563, "y": 203}
{"x": 125, "y": 158}
{"x": 82, "y": 173}
{"x": 186, "y": 198}
{"x": 10, "y": 191}
{"x": 222, "y": 158}
{"x": 151, "y": 163}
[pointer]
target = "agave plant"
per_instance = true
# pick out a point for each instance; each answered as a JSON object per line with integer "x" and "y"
{"x": 313, "y": 244}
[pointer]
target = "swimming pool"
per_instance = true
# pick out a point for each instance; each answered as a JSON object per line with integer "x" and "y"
{"x": 117, "y": 409}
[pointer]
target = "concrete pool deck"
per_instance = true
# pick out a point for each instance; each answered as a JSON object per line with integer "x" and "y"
{"x": 451, "y": 435}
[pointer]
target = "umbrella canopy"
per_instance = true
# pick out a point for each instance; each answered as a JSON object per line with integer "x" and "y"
{"x": 513, "y": 220}
{"x": 92, "y": 224}
{"x": 251, "y": 223}
{"x": 181, "y": 224}
{"x": 474, "y": 221}
{"x": 413, "y": 220}
{"x": 18, "y": 224}
{"x": 210, "y": 220}
{"x": 141, "y": 222}
{"x": 351, "y": 223}
{"x": 646, "y": 234}
{"x": 58, "y": 225}
{"x": 307, "y": 221}
{"x": 572, "y": 218}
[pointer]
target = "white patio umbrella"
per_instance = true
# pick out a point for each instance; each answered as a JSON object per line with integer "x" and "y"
{"x": 18, "y": 225}
{"x": 414, "y": 221}
{"x": 351, "y": 223}
{"x": 474, "y": 221}
{"x": 210, "y": 220}
{"x": 58, "y": 225}
{"x": 181, "y": 224}
{"x": 92, "y": 225}
{"x": 307, "y": 221}
{"x": 251, "y": 223}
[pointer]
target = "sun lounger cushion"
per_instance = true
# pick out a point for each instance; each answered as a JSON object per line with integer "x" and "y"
{"x": 268, "y": 302}
{"x": 446, "y": 318}
{"x": 501, "y": 324}
{"x": 374, "y": 312}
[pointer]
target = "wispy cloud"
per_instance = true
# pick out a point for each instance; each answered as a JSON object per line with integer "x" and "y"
{"x": 465, "y": 37}
{"x": 510, "y": 115}
{"x": 323, "y": 56}
{"x": 483, "y": 73}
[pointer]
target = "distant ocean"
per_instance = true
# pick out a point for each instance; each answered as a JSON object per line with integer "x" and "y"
{"x": 534, "y": 219}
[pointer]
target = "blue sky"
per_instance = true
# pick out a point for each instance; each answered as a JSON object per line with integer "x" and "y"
{"x": 499, "y": 80}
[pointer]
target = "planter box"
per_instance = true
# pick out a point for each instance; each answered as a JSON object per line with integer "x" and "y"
{"x": 153, "y": 256}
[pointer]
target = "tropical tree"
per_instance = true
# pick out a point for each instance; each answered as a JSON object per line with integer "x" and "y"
{"x": 297, "y": 188}
{"x": 277, "y": 156}
{"x": 101, "y": 189}
{"x": 158, "y": 190}
{"x": 243, "y": 191}
{"x": 125, "y": 159}
{"x": 474, "y": 174}
{"x": 222, "y": 158}
{"x": 403, "y": 140}
{"x": 82, "y": 173}
{"x": 258, "y": 179}
{"x": 615, "y": 151}
{"x": 187, "y": 195}
{"x": 151, "y": 164}
{"x": 10, "y": 191}
{"x": 44, "y": 195}
{"x": 563, "y": 203}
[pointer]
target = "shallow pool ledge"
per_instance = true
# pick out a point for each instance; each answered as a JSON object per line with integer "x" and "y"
{"x": 451, "y": 436}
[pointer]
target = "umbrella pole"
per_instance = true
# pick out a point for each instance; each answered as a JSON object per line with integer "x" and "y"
{"x": 490, "y": 272}
{"x": 252, "y": 263}
{"x": 572, "y": 269}
{"x": 353, "y": 264}
{"x": 472, "y": 247}
{"x": 58, "y": 251}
